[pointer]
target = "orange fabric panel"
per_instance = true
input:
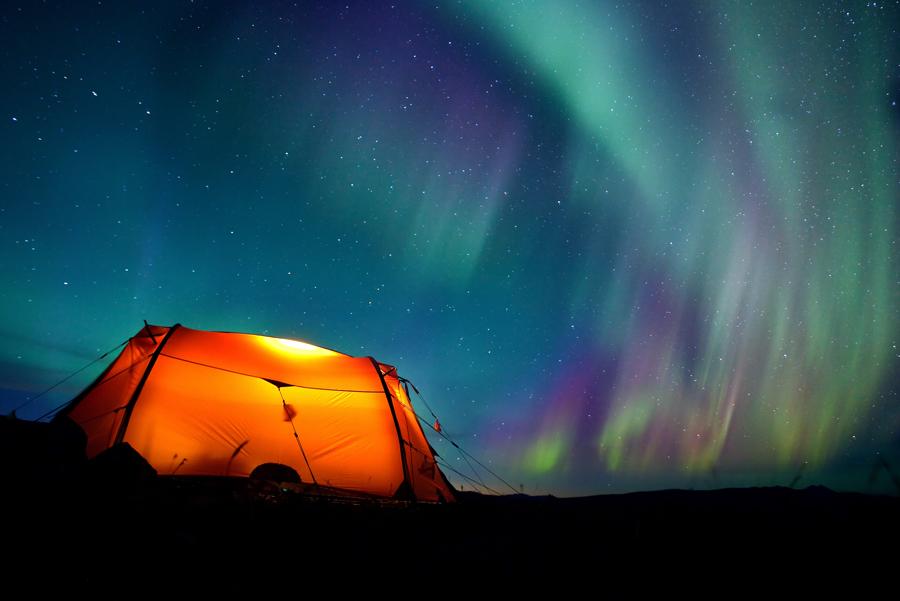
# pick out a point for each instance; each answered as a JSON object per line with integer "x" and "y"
{"x": 287, "y": 361}
{"x": 195, "y": 420}
{"x": 99, "y": 411}
{"x": 350, "y": 439}
{"x": 427, "y": 483}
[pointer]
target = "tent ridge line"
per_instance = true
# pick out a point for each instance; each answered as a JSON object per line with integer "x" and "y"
{"x": 129, "y": 408}
{"x": 387, "y": 394}
{"x": 249, "y": 375}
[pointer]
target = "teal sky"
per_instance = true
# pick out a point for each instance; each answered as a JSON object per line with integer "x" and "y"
{"x": 616, "y": 246}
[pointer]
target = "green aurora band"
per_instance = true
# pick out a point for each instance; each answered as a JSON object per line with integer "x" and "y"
{"x": 778, "y": 245}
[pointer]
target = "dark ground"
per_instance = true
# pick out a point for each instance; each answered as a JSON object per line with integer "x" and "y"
{"x": 110, "y": 523}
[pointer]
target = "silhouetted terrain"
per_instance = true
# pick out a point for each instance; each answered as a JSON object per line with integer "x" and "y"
{"x": 81, "y": 524}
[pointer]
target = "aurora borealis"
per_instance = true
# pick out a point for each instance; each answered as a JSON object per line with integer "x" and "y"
{"x": 616, "y": 246}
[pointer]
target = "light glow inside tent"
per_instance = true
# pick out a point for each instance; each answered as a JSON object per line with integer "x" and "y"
{"x": 296, "y": 346}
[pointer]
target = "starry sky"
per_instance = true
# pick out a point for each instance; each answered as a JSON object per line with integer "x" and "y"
{"x": 617, "y": 246}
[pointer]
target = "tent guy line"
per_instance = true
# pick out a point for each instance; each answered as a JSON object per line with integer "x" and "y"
{"x": 30, "y": 400}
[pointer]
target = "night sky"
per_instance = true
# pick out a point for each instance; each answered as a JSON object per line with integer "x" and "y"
{"x": 616, "y": 246}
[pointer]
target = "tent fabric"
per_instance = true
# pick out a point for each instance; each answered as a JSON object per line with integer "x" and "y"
{"x": 200, "y": 403}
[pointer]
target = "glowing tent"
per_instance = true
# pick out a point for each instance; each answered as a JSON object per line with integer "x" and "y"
{"x": 202, "y": 403}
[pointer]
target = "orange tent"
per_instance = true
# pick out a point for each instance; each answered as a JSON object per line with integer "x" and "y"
{"x": 202, "y": 403}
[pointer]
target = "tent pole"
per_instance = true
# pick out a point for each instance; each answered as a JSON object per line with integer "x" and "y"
{"x": 129, "y": 408}
{"x": 406, "y": 479}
